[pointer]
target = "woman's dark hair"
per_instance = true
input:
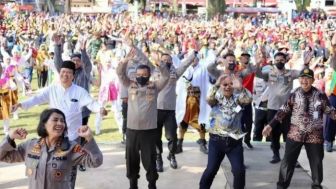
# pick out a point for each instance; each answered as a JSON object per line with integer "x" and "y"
{"x": 44, "y": 117}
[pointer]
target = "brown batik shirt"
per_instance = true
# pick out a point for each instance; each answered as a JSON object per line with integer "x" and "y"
{"x": 306, "y": 109}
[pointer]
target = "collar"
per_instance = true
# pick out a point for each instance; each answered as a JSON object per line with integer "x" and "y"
{"x": 65, "y": 89}
{"x": 308, "y": 92}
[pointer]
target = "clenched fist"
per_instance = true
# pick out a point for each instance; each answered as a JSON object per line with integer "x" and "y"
{"x": 18, "y": 133}
{"x": 85, "y": 132}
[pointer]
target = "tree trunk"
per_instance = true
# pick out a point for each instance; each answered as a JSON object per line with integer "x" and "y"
{"x": 175, "y": 6}
{"x": 142, "y": 5}
{"x": 302, "y": 5}
{"x": 51, "y": 7}
{"x": 215, "y": 7}
{"x": 67, "y": 7}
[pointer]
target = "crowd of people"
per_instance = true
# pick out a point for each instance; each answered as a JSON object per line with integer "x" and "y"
{"x": 219, "y": 76}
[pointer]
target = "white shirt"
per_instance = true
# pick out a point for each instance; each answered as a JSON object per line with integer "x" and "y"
{"x": 70, "y": 101}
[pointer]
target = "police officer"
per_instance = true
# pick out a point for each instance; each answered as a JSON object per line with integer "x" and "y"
{"x": 141, "y": 130}
{"x": 166, "y": 108}
{"x": 280, "y": 84}
{"x": 50, "y": 158}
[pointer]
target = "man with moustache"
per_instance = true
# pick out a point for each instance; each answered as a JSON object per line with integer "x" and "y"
{"x": 305, "y": 106}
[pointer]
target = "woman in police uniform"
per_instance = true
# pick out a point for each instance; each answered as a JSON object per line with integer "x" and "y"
{"x": 50, "y": 158}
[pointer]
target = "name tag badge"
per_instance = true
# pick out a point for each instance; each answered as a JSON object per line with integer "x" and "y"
{"x": 237, "y": 109}
{"x": 74, "y": 100}
{"x": 318, "y": 103}
{"x": 315, "y": 115}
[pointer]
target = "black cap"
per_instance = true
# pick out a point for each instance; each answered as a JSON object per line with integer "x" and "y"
{"x": 307, "y": 73}
{"x": 69, "y": 64}
{"x": 246, "y": 54}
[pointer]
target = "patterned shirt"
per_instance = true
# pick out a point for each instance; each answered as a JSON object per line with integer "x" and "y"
{"x": 306, "y": 109}
{"x": 225, "y": 116}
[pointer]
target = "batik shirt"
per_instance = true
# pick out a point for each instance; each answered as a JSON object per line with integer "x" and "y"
{"x": 306, "y": 109}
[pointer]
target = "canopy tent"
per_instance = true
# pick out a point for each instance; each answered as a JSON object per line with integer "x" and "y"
{"x": 267, "y": 3}
{"x": 252, "y": 10}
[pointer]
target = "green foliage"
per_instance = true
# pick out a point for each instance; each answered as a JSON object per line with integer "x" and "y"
{"x": 302, "y": 5}
{"x": 215, "y": 7}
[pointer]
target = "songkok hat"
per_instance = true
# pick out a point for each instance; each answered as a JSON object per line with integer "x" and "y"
{"x": 70, "y": 65}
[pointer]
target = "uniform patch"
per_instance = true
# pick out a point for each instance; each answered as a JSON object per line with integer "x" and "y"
{"x": 58, "y": 175}
{"x": 33, "y": 156}
{"x": 54, "y": 165}
{"x": 77, "y": 149}
{"x": 36, "y": 149}
{"x": 60, "y": 158}
{"x": 60, "y": 153}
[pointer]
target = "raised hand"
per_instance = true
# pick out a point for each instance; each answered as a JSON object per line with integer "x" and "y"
{"x": 308, "y": 56}
{"x": 85, "y": 132}
{"x": 57, "y": 38}
{"x": 83, "y": 44}
{"x": 18, "y": 133}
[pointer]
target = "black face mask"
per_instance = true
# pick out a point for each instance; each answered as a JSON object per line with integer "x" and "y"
{"x": 142, "y": 80}
{"x": 232, "y": 66}
{"x": 280, "y": 65}
{"x": 168, "y": 65}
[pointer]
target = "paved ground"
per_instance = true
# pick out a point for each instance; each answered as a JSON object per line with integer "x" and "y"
{"x": 112, "y": 173}
{"x": 260, "y": 173}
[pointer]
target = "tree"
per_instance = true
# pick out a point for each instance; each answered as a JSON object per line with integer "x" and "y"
{"x": 67, "y": 7}
{"x": 215, "y": 7}
{"x": 51, "y": 6}
{"x": 142, "y": 3}
{"x": 301, "y": 5}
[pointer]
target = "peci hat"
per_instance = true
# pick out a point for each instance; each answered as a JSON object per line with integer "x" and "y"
{"x": 70, "y": 65}
{"x": 307, "y": 73}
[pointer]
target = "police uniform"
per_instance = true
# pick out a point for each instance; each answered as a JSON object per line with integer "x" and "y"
{"x": 166, "y": 104}
{"x": 50, "y": 167}
{"x": 141, "y": 125}
{"x": 280, "y": 84}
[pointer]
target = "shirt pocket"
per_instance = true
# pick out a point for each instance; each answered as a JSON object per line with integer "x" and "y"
{"x": 31, "y": 168}
{"x": 74, "y": 106}
{"x": 132, "y": 94}
{"x": 61, "y": 172}
{"x": 150, "y": 94}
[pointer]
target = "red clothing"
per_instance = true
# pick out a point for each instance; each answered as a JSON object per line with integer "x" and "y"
{"x": 248, "y": 82}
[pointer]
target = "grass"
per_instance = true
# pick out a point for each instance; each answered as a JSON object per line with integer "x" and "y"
{"x": 109, "y": 129}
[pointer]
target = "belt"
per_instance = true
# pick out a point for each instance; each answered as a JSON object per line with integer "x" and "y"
{"x": 261, "y": 108}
